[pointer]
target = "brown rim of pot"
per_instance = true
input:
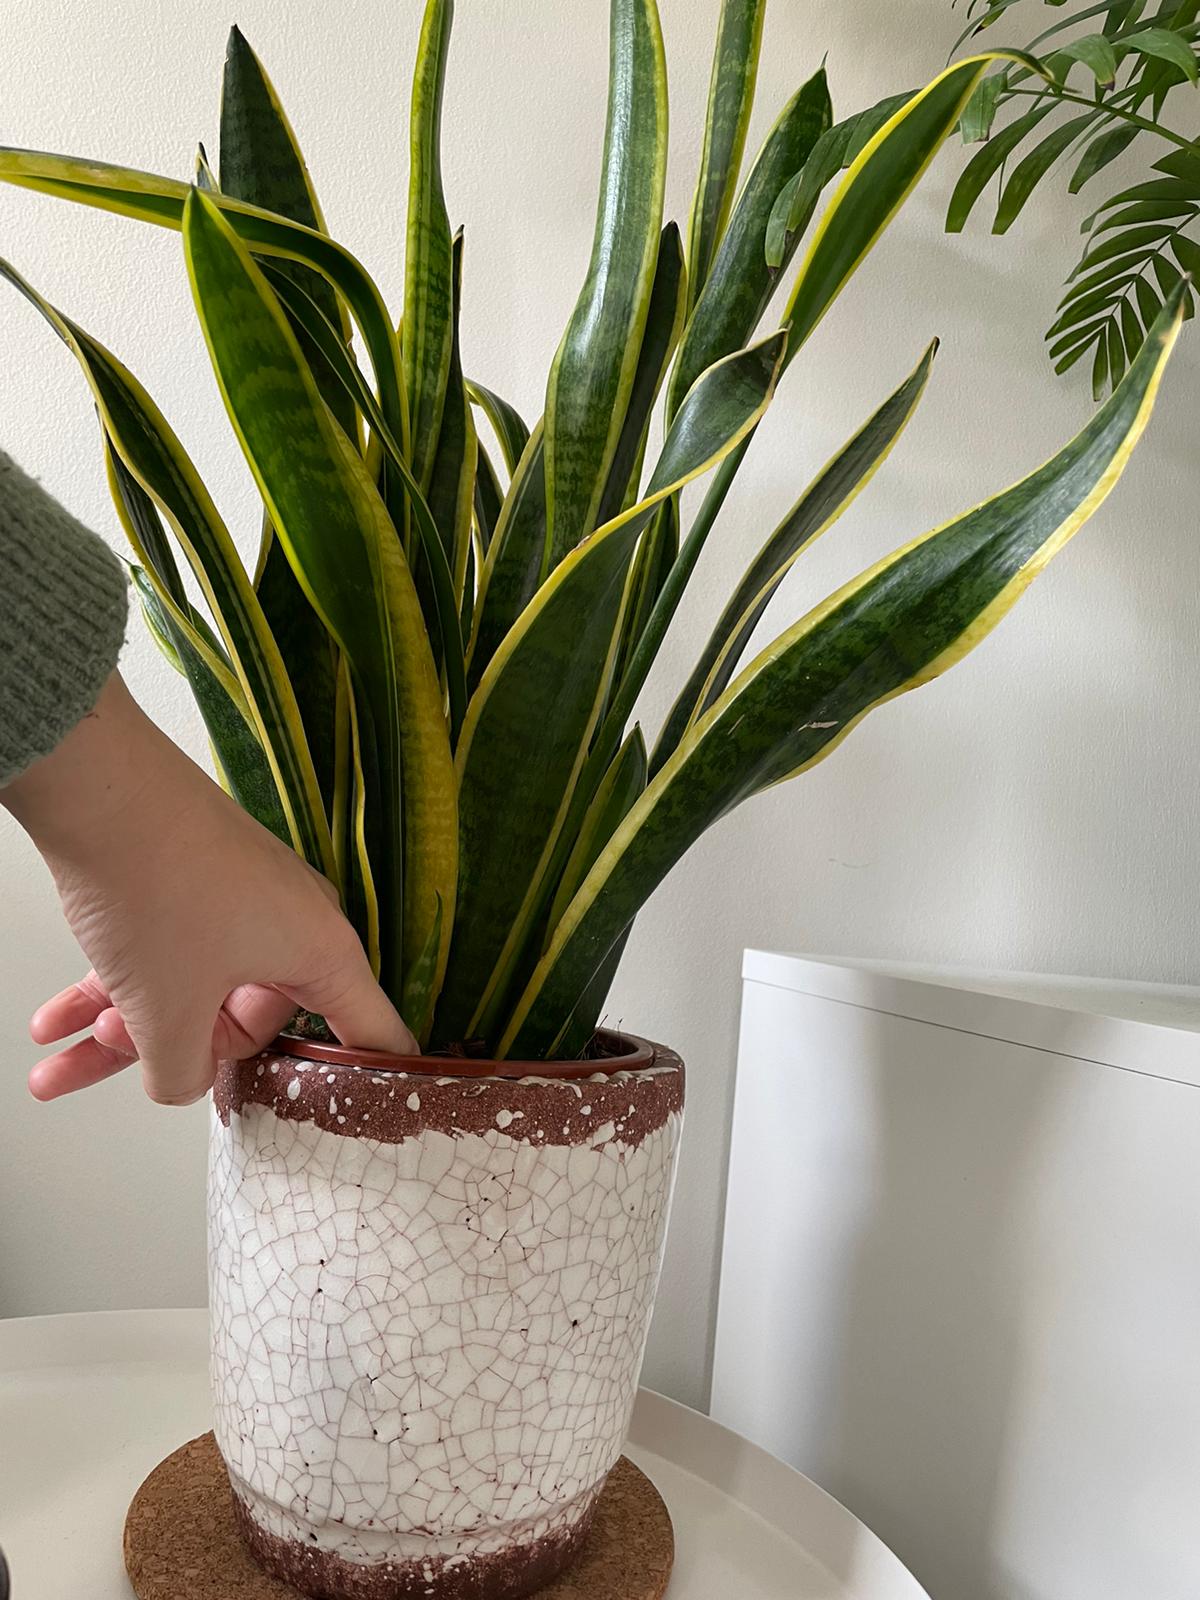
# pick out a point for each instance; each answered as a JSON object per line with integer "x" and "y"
{"x": 618, "y": 1052}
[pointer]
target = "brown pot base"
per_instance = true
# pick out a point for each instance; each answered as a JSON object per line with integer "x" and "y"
{"x": 183, "y": 1542}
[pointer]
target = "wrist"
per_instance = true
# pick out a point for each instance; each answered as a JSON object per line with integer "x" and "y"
{"x": 70, "y": 801}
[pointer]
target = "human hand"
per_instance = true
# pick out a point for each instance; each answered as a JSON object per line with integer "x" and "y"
{"x": 205, "y": 933}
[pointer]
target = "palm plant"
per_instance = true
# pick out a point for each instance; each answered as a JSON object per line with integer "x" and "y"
{"x": 427, "y": 684}
{"x": 1107, "y": 73}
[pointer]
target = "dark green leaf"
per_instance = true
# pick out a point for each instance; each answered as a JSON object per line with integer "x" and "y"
{"x": 976, "y": 122}
{"x": 986, "y": 163}
{"x": 150, "y": 198}
{"x": 895, "y": 627}
{"x": 844, "y": 477}
{"x": 1034, "y": 166}
{"x": 619, "y": 788}
{"x": 342, "y": 546}
{"x": 1096, "y": 53}
{"x": 1148, "y": 303}
{"x": 150, "y": 453}
{"x": 506, "y": 421}
{"x": 1116, "y": 354}
{"x": 442, "y": 606}
{"x": 262, "y": 164}
{"x": 593, "y": 372}
{"x": 1145, "y": 211}
{"x": 1101, "y": 150}
{"x": 243, "y": 766}
{"x": 451, "y": 503}
{"x": 1187, "y": 252}
{"x": 1166, "y": 46}
{"x": 1132, "y": 243}
{"x": 1131, "y": 329}
{"x": 529, "y": 724}
{"x": 514, "y": 559}
{"x": 730, "y": 99}
{"x": 663, "y": 322}
{"x": 872, "y": 191}
{"x": 428, "y": 267}
{"x": 741, "y": 281}
{"x": 1100, "y": 369}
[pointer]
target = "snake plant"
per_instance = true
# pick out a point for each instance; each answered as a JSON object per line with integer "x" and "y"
{"x": 427, "y": 683}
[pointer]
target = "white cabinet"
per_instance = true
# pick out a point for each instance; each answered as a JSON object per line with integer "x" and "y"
{"x": 961, "y": 1274}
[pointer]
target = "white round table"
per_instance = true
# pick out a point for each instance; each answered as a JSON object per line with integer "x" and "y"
{"x": 89, "y": 1404}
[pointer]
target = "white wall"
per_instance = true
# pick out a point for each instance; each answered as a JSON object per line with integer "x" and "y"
{"x": 1032, "y": 810}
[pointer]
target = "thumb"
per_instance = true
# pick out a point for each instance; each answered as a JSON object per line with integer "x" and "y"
{"x": 346, "y": 994}
{"x": 176, "y": 1052}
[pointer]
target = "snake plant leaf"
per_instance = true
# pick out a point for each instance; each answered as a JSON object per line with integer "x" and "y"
{"x": 149, "y": 542}
{"x": 822, "y": 503}
{"x": 262, "y": 163}
{"x": 877, "y": 183}
{"x": 592, "y": 376}
{"x": 489, "y": 497}
{"x": 622, "y": 785}
{"x": 896, "y": 626}
{"x": 529, "y": 723}
{"x": 416, "y": 1002}
{"x": 443, "y": 617}
{"x": 514, "y": 566}
{"x": 664, "y": 321}
{"x": 834, "y": 150}
{"x": 261, "y": 160}
{"x": 506, "y": 423}
{"x": 205, "y": 177}
{"x": 656, "y": 554}
{"x": 730, "y": 102}
{"x": 149, "y": 198}
{"x": 139, "y": 517}
{"x": 243, "y": 766}
{"x": 886, "y": 169}
{"x": 141, "y": 438}
{"x": 359, "y": 842}
{"x": 514, "y": 559}
{"x": 742, "y": 281}
{"x": 619, "y": 788}
{"x": 452, "y": 480}
{"x": 428, "y": 265}
{"x": 344, "y": 549}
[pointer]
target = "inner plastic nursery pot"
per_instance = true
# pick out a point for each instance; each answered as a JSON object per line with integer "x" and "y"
{"x": 430, "y": 1286}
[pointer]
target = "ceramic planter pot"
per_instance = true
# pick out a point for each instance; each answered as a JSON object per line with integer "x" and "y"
{"x": 430, "y": 1291}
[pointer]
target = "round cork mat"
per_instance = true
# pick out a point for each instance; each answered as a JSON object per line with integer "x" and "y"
{"x": 181, "y": 1541}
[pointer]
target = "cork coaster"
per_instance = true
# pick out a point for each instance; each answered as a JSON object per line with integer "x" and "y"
{"x": 181, "y": 1541}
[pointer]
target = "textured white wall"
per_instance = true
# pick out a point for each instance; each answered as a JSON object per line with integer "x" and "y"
{"x": 1032, "y": 810}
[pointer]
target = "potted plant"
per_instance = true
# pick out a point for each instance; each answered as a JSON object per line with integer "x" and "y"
{"x": 431, "y": 1277}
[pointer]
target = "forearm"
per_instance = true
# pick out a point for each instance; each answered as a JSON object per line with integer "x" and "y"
{"x": 62, "y": 619}
{"x": 74, "y": 796}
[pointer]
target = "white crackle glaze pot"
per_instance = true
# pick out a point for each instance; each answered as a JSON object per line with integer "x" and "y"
{"x": 430, "y": 1289}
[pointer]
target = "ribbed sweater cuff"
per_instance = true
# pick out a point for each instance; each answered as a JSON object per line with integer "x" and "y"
{"x": 63, "y": 607}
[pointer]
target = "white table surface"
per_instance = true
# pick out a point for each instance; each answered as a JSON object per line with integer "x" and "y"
{"x": 89, "y": 1404}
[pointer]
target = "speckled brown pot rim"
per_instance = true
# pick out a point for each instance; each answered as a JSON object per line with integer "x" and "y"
{"x": 623, "y": 1052}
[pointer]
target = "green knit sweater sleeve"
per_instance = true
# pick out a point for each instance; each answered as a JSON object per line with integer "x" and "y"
{"x": 62, "y": 619}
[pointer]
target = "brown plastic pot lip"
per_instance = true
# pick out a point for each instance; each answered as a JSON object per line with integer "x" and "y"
{"x": 638, "y": 1055}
